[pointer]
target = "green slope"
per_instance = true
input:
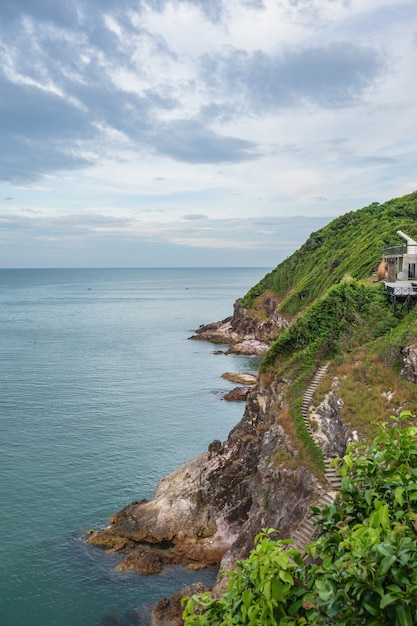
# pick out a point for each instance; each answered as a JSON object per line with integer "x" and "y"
{"x": 351, "y": 244}
{"x": 342, "y": 316}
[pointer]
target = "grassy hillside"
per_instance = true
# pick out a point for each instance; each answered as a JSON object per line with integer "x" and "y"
{"x": 351, "y": 244}
{"x": 343, "y": 317}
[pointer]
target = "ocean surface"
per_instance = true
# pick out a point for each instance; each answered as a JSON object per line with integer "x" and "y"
{"x": 101, "y": 394}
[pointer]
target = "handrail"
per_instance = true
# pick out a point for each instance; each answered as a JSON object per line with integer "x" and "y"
{"x": 395, "y": 251}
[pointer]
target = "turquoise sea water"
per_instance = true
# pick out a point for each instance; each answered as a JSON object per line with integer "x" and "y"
{"x": 101, "y": 394}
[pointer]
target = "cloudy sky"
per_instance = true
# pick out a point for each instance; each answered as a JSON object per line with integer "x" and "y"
{"x": 198, "y": 132}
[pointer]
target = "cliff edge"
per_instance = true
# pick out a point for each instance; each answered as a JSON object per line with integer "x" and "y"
{"x": 322, "y": 305}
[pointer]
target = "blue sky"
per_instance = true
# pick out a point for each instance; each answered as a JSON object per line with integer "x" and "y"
{"x": 199, "y": 132}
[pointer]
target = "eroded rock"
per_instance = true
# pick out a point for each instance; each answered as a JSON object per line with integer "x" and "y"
{"x": 168, "y": 611}
{"x": 410, "y": 363}
{"x": 241, "y": 377}
{"x": 249, "y": 347}
{"x": 330, "y": 434}
{"x": 250, "y": 331}
{"x": 211, "y": 507}
{"x": 238, "y": 394}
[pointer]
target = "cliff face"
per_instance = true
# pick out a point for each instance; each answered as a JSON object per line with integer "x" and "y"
{"x": 249, "y": 331}
{"x": 410, "y": 363}
{"x": 211, "y": 507}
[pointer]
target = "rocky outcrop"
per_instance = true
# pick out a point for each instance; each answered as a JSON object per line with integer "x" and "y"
{"x": 168, "y": 611}
{"x": 242, "y": 392}
{"x": 238, "y": 394}
{"x": 242, "y": 378}
{"x": 250, "y": 331}
{"x": 249, "y": 347}
{"x": 211, "y": 507}
{"x": 329, "y": 431}
{"x": 410, "y": 363}
{"x": 262, "y": 322}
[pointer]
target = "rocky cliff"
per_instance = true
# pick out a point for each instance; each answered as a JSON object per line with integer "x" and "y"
{"x": 307, "y": 316}
{"x": 248, "y": 331}
{"x": 211, "y": 507}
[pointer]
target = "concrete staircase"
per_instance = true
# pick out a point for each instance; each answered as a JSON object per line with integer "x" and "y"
{"x": 304, "y": 533}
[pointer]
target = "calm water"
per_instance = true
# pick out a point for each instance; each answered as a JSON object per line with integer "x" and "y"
{"x": 101, "y": 395}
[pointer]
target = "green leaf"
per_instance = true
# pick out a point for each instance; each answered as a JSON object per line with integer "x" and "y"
{"x": 267, "y": 590}
{"x": 286, "y": 577}
{"x": 277, "y": 590}
{"x": 247, "y": 597}
{"x": 399, "y": 496}
{"x": 387, "y": 549}
{"x": 387, "y": 599}
{"x": 403, "y": 615}
{"x": 372, "y": 608}
{"x": 386, "y": 564}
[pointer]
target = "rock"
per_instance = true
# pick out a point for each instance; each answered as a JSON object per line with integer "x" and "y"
{"x": 200, "y": 553}
{"x": 217, "y": 332}
{"x": 242, "y": 378}
{"x": 330, "y": 434}
{"x": 214, "y": 448}
{"x": 145, "y": 561}
{"x": 178, "y": 506}
{"x": 410, "y": 363}
{"x": 109, "y": 540}
{"x": 250, "y": 331}
{"x": 262, "y": 322}
{"x": 168, "y": 612}
{"x": 211, "y": 507}
{"x": 249, "y": 347}
{"x": 238, "y": 394}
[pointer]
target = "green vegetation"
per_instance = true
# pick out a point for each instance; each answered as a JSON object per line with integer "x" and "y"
{"x": 350, "y": 315}
{"x": 351, "y": 244}
{"x": 318, "y": 331}
{"x": 366, "y": 551}
{"x": 365, "y": 557}
{"x": 326, "y": 288}
{"x": 261, "y": 590}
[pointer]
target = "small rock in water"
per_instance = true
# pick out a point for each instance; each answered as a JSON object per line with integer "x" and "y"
{"x": 242, "y": 378}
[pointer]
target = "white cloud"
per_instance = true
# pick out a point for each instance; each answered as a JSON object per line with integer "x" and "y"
{"x": 163, "y": 118}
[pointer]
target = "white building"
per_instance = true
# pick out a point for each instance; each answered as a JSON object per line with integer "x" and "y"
{"x": 401, "y": 261}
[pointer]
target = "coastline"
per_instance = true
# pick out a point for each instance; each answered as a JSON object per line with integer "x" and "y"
{"x": 208, "y": 510}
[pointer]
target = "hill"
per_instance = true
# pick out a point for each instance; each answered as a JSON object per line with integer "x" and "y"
{"x": 340, "y": 361}
{"x": 351, "y": 244}
{"x": 339, "y": 321}
{"x": 339, "y": 313}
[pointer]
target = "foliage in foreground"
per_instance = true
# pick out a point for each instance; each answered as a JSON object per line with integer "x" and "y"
{"x": 367, "y": 552}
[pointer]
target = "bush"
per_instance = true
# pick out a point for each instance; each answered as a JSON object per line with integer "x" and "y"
{"x": 367, "y": 548}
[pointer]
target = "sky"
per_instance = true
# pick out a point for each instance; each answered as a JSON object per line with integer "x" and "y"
{"x": 157, "y": 133}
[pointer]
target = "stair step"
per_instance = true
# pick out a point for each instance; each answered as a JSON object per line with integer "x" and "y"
{"x": 305, "y": 534}
{"x": 305, "y": 531}
{"x": 302, "y": 541}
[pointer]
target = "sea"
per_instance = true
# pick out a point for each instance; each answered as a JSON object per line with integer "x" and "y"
{"x": 101, "y": 394}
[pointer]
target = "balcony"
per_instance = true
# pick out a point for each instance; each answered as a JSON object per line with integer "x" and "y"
{"x": 395, "y": 251}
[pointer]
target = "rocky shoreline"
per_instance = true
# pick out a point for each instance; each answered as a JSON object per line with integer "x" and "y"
{"x": 245, "y": 332}
{"x": 209, "y": 509}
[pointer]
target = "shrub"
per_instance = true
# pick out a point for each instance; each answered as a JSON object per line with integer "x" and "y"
{"x": 367, "y": 548}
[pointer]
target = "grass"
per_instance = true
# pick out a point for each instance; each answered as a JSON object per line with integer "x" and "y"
{"x": 371, "y": 391}
{"x": 350, "y": 244}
